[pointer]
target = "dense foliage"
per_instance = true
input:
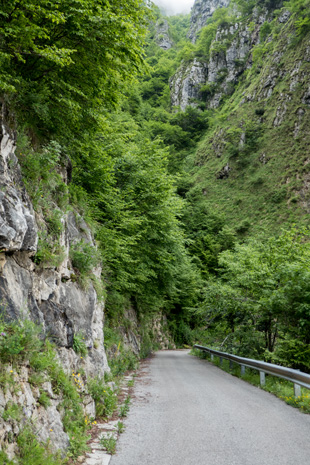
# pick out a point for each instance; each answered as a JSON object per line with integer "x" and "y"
{"x": 61, "y": 61}
{"x": 74, "y": 82}
{"x": 260, "y": 304}
{"x": 255, "y": 300}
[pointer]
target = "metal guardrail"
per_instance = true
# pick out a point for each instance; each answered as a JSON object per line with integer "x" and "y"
{"x": 295, "y": 376}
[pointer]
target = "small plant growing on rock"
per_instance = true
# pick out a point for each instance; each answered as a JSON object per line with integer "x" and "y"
{"x": 120, "y": 427}
{"x": 105, "y": 399}
{"x": 109, "y": 443}
{"x": 79, "y": 345}
{"x": 44, "y": 399}
{"x": 12, "y": 411}
{"x": 124, "y": 409}
{"x": 36, "y": 379}
{"x": 84, "y": 257}
{"x": 18, "y": 341}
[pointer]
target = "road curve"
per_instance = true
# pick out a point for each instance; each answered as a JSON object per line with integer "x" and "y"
{"x": 186, "y": 411}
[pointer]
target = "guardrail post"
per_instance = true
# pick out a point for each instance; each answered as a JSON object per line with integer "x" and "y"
{"x": 212, "y": 357}
{"x": 262, "y": 379}
{"x": 221, "y": 360}
{"x": 231, "y": 364}
{"x": 297, "y": 390}
{"x": 242, "y": 370}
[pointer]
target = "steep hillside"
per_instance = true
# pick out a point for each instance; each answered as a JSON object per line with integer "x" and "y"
{"x": 245, "y": 80}
{"x": 252, "y": 164}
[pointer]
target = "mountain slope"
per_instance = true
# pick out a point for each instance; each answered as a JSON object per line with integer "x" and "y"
{"x": 252, "y": 165}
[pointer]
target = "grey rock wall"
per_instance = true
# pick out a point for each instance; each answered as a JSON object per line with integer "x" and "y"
{"x": 18, "y": 230}
{"x": 162, "y": 36}
{"x": 47, "y": 421}
{"x": 201, "y": 12}
{"x": 49, "y": 296}
{"x": 185, "y": 84}
{"x": 230, "y": 56}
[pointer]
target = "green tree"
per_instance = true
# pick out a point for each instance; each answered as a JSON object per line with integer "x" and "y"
{"x": 60, "y": 61}
{"x": 264, "y": 294}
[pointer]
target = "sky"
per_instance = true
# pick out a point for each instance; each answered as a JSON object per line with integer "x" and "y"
{"x": 173, "y": 7}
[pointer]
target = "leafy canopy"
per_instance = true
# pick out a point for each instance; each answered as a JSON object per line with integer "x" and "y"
{"x": 63, "y": 59}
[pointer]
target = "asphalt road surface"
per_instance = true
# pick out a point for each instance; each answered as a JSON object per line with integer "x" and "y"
{"x": 185, "y": 411}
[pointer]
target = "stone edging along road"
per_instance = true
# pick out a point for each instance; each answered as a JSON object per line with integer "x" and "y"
{"x": 98, "y": 455}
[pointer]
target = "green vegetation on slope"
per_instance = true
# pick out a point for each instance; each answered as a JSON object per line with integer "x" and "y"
{"x": 25, "y": 348}
{"x": 22, "y": 341}
{"x": 261, "y": 132}
{"x": 260, "y": 304}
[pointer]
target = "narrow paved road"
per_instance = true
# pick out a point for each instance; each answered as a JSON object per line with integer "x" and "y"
{"x": 188, "y": 412}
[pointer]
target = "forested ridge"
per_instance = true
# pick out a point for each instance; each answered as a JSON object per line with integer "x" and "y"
{"x": 199, "y": 214}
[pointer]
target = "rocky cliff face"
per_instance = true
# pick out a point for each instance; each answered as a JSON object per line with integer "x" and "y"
{"x": 18, "y": 229}
{"x": 162, "y": 36}
{"x": 186, "y": 83}
{"x": 49, "y": 296}
{"x": 201, "y": 12}
{"x": 230, "y": 55}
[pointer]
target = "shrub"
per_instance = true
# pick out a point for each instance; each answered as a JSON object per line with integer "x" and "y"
{"x": 19, "y": 340}
{"x": 265, "y": 30}
{"x": 124, "y": 409}
{"x": 120, "y": 427}
{"x": 109, "y": 443}
{"x": 31, "y": 452}
{"x": 79, "y": 346}
{"x": 84, "y": 257}
{"x": 4, "y": 459}
{"x": 259, "y": 111}
{"x": 44, "y": 399}
{"x": 50, "y": 253}
{"x": 12, "y": 411}
{"x": 124, "y": 361}
{"x": 105, "y": 399}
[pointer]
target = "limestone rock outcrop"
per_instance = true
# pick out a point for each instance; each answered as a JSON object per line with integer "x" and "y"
{"x": 162, "y": 36}
{"x": 25, "y": 398}
{"x": 201, "y": 12}
{"x": 18, "y": 230}
{"x": 48, "y": 295}
{"x": 185, "y": 84}
{"x": 209, "y": 80}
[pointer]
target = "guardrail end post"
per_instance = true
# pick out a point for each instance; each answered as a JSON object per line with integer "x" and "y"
{"x": 262, "y": 378}
{"x": 297, "y": 390}
{"x": 212, "y": 357}
{"x": 242, "y": 370}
